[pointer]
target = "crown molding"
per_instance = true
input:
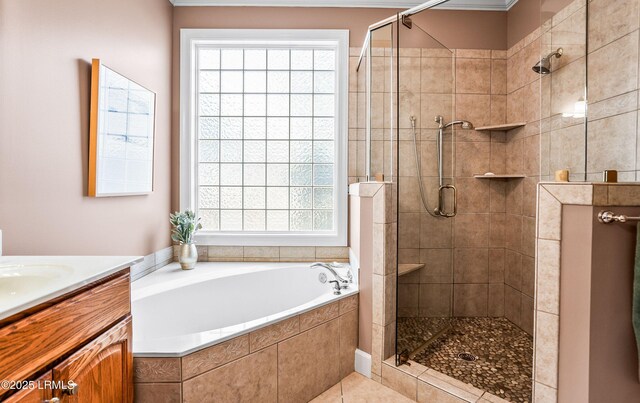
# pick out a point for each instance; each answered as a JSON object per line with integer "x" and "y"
{"x": 481, "y": 5}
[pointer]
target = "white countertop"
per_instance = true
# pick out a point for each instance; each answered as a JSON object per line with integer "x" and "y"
{"x": 26, "y": 281}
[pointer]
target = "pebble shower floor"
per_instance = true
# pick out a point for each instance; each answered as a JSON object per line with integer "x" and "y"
{"x": 504, "y": 355}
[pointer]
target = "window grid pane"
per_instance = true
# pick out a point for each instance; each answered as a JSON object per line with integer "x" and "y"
{"x": 266, "y": 139}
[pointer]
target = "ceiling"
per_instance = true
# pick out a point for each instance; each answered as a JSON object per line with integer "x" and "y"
{"x": 489, "y": 5}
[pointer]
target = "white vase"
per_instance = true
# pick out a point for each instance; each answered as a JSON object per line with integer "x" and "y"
{"x": 188, "y": 256}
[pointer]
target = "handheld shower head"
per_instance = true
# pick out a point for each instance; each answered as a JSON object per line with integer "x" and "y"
{"x": 544, "y": 65}
{"x": 464, "y": 124}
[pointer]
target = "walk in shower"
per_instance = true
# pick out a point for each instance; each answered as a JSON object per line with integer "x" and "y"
{"x": 465, "y": 135}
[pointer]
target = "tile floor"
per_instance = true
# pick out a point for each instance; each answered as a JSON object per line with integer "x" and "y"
{"x": 357, "y": 388}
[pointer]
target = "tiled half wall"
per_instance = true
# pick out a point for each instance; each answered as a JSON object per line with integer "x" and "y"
{"x": 291, "y": 361}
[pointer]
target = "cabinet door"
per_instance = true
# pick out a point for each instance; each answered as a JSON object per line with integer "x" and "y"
{"x": 101, "y": 370}
{"x": 34, "y": 395}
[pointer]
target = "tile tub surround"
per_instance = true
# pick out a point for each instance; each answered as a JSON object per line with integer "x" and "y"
{"x": 552, "y": 199}
{"x": 293, "y": 360}
{"x": 269, "y": 253}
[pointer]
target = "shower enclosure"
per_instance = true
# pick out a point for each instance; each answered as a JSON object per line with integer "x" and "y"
{"x": 465, "y": 135}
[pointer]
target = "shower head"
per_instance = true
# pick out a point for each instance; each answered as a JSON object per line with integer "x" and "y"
{"x": 466, "y": 125}
{"x": 544, "y": 65}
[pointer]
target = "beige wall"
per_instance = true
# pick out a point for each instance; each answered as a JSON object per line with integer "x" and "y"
{"x": 45, "y": 54}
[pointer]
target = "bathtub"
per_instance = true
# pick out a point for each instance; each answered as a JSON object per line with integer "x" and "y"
{"x": 177, "y": 312}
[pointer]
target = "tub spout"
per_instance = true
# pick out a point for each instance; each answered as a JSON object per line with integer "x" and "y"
{"x": 344, "y": 281}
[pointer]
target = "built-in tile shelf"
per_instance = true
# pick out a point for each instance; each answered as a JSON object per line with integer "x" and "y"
{"x": 498, "y": 128}
{"x": 407, "y": 268}
{"x": 500, "y": 176}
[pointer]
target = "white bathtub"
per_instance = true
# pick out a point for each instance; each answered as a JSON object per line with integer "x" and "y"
{"x": 177, "y": 312}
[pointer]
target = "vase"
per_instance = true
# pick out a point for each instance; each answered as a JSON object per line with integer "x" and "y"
{"x": 188, "y": 256}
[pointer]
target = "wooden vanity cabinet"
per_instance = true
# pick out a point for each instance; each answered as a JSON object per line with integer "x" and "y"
{"x": 83, "y": 337}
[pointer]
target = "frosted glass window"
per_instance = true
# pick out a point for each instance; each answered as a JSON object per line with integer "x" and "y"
{"x": 266, "y": 129}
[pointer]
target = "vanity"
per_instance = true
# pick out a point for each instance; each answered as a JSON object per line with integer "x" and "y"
{"x": 65, "y": 329}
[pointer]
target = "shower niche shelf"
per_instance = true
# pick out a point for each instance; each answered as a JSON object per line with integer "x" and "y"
{"x": 501, "y": 176}
{"x": 498, "y": 128}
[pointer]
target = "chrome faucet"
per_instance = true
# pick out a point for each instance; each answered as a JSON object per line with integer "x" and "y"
{"x": 343, "y": 281}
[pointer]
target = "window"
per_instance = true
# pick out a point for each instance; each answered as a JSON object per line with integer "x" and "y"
{"x": 264, "y": 135}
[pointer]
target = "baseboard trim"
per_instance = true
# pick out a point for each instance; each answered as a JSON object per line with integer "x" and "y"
{"x": 363, "y": 363}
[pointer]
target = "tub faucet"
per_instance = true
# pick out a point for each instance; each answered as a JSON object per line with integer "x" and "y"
{"x": 336, "y": 287}
{"x": 344, "y": 281}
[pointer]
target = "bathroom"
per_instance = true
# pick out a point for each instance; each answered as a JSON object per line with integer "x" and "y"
{"x": 328, "y": 201}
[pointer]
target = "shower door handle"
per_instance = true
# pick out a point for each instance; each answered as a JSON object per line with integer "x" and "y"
{"x": 441, "y": 193}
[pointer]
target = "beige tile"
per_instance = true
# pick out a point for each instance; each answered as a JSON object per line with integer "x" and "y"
{"x": 437, "y": 75}
{"x": 528, "y": 236}
{"x": 497, "y": 195}
{"x": 330, "y": 252}
{"x": 357, "y": 388}
{"x": 548, "y": 281}
{"x": 472, "y": 230}
{"x": 528, "y": 275}
{"x": 615, "y": 133}
{"x": 613, "y": 106}
{"x": 472, "y": 158}
{"x": 399, "y": 381}
{"x": 297, "y": 253}
{"x": 546, "y": 348}
{"x": 488, "y": 397}
{"x": 438, "y": 266}
{"x": 568, "y": 87}
{"x": 473, "y": 195}
{"x": 333, "y": 395}
{"x": 470, "y": 299}
{"x": 513, "y": 269}
{"x": 566, "y": 149}
{"x": 610, "y": 20}
{"x": 272, "y": 334}
{"x": 319, "y": 315}
{"x": 624, "y": 195}
{"x": 377, "y": 347}
{"x": 544, "y": 394}
{"x": 512, "y": 305}
{"x": 497, "y": 230}
{"x": 384, "y": 249}
{"x": 348, "y": 342}
{"x": 496, "y": 300}
{"x": 515, "y": 106}
{"x": 435, "y": 232}
{"x": 471, "y": 265}
{"x": 499, "y": 76}
{"x": 225, "y": 252}
{"x": 435, "y": 386}
{"x": 157, "y": 392}
{"x": 473, "y": 76}
{"x": 498, "y": 109}
{"x": 349, "y": 304}
{"x": 527, "y": 312}
{"x": 473, "y": 53}
{"x": 428, "y": 393}
{"x": 297, "y": 380}
{"x": 474, "y": 108}
{"x": 435, "y": 300}
{"x": 249, "y": 378}
{"x": 408, "y": 295}
{"x": 214, "y": 356}
{"x": 603, "y": 84}
{"x": 549, "y": 215}
{"x": 513, "y": 232}
{"x": 156, "y": 369}
{"x": 496, "y": 265}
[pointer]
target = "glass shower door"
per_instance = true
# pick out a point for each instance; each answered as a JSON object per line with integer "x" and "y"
{"x": 424, "y": 82}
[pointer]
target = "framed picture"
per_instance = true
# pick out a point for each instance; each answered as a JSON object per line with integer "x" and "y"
{"x": 121, "y": 135}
